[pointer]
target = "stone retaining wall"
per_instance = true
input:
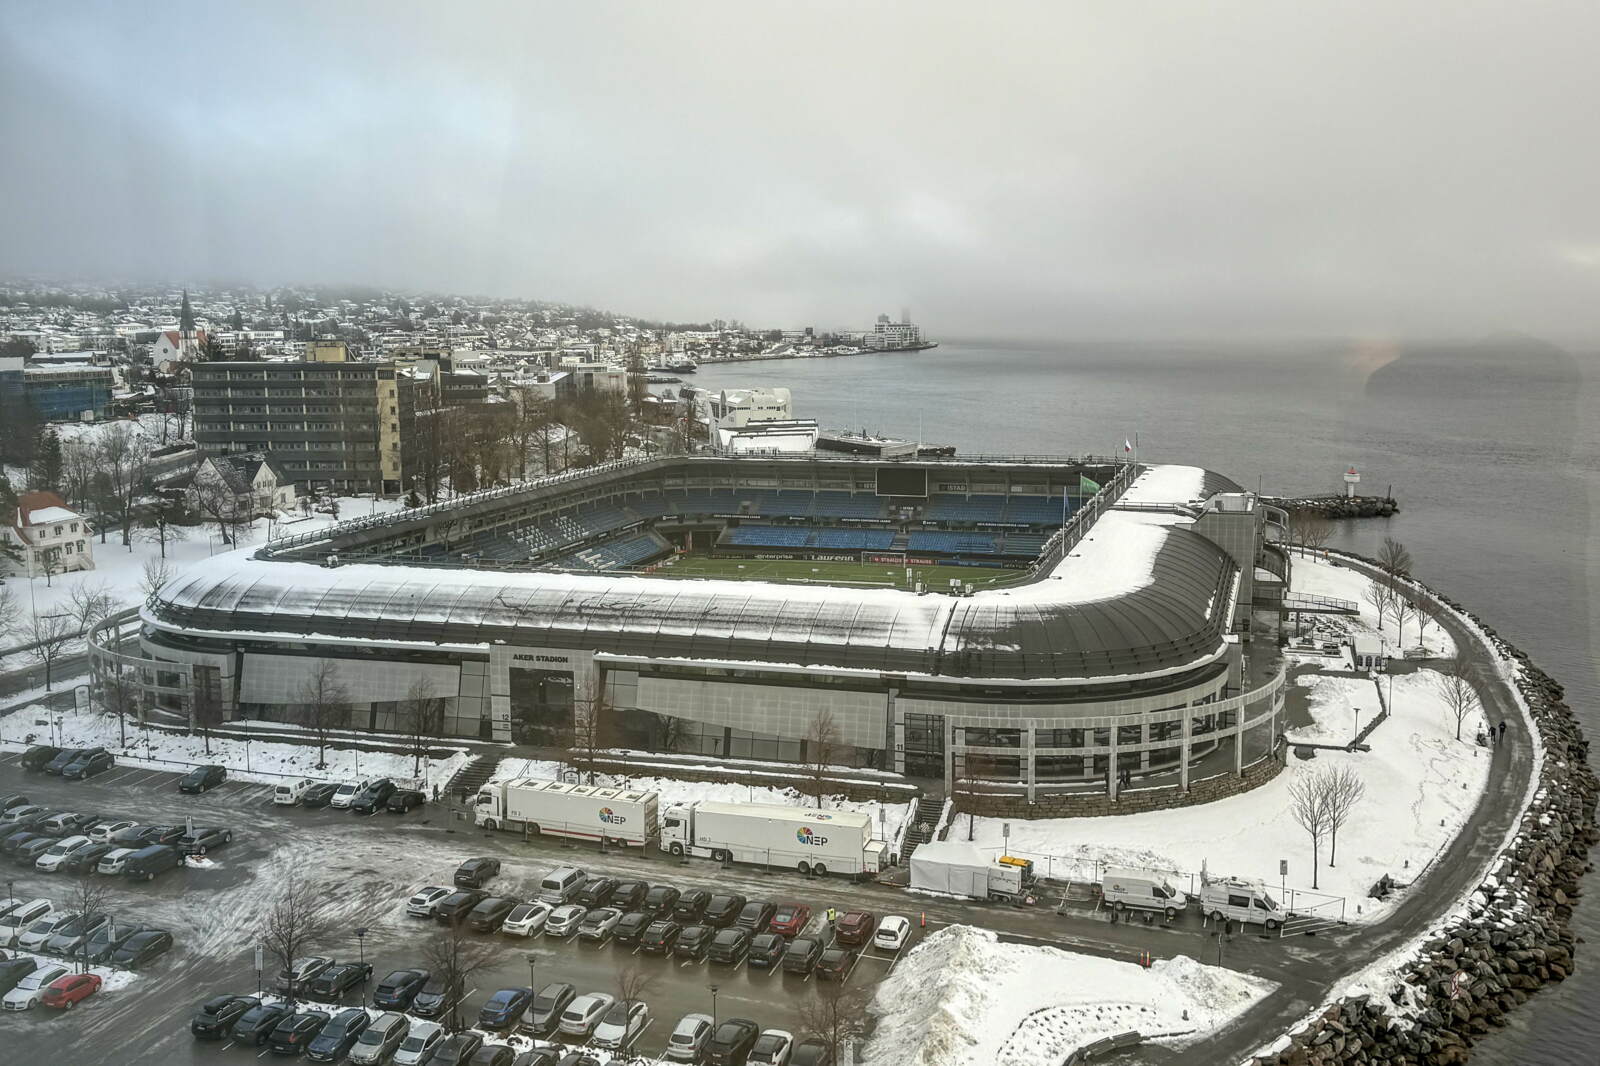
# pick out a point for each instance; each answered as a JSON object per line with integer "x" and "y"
{"x": 1131, "y": 801}
{"x": 1516, "y": 937}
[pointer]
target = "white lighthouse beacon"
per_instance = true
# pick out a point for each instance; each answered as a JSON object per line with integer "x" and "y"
{"x": 1351, "y": 480}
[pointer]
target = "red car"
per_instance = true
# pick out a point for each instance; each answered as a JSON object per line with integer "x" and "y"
{"x": 789, "y": 919}
{"x": 855, "y": 927}
{"x": 70, "y": 990}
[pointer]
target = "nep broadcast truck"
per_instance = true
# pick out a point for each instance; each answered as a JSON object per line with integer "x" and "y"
{"x": 556, "y": 808}
{"x": 809, "y": 840}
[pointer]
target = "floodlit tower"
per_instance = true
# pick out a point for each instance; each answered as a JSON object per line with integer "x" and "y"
{"x": 1351, "y": 480}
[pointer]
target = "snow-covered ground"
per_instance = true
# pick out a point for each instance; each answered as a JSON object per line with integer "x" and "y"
{"x": 111, "y": 980}
{"x": 1312, "y": 576}
{"x": 962, "y": 998}
{"x": 264, "y": 761}
{"x": 1422, "y": 786}
{"x": 671, "y": 790}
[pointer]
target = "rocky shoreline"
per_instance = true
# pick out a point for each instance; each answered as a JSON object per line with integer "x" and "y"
{"x": 1338, "y": 506}
{"x": 1514, "y": 937}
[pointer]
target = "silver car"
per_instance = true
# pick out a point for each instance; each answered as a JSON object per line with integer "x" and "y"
{"x": 564, "y": 921}
{"x": 688, "y": 1041}
{"x": 381, "y": 1039}
{"x": 419, "y": 1045}
{"x": 585, "y": 1012}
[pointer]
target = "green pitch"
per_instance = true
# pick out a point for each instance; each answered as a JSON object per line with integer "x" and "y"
{"x": 868, "y": 575}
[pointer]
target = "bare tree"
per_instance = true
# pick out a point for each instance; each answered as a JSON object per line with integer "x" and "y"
{"x": 220, "y": 504}
{"x": 324, "y": 704}
{"x": 822, "y": 748}
{"x": 88, "y": 898}
{"x": 422, "y": 718}
{"x": 453, "y": 957}
{"x": 161, "y": 526}
{"x": 90, "y": 603}
{"x": 119, "y": 695}
{"x": 836, "y": 1015}
{"x": 593, "y": 729}
{"x": 1380, "y": 597}
{"x": 80, "y": 463}
{"x": 1394, "y": 558}
{"x": 1309, "y": 529}
{"x": 1403, "y": 609}
{"x": 206, "y": 709}
{"x": 124, "y": 455}
{"x": 10, "y": 613}
{"x": 293, "y": 925}
{"x": 633, "y": 983}
{"x": 48, "y": 635}
{"x": 1345, "y": 791}
{"x": 156, "y": 572}
{"x": 1456, "y": 688}
{"x": 1308, "y": 806}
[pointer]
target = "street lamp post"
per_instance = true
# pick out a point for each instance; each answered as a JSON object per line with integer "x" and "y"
{"x": 361, "y": 946}
{"x": 1356, "y": 735}
{"x": 713, "y": 989}
{"x": 533, "y": 961}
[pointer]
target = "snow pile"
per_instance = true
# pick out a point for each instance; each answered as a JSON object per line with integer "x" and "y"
{"x": 111, "y": 980}
{"x": 961, "y": 997}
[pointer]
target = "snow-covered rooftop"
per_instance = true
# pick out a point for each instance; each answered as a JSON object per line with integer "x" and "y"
{"x": 1172, "y": 484}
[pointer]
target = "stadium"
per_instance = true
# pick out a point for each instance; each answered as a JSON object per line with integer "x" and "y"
{"x": 1042, "y": 625}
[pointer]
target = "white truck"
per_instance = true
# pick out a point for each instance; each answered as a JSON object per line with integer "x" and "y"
{"x": 959, "y": 868}
{"x": 1148, "y": 890}
{"x": 806, "y": 839}
{"x": 557, "y": 808}
{"x": 1239, "y": 900}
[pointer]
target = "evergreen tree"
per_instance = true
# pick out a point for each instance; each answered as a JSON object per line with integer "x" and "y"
{"x": 45, "y": 474}
{"x": 10, "y": 553}
{"x": 238, "y": 320}
{"x": 186, "y": 316}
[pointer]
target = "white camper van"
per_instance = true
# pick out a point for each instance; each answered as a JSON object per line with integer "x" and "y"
{"x": 1240, "y": 901}
{"x": 1149, "y": 890}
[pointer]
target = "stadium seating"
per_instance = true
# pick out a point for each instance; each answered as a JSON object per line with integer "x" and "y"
{"x": 1026, "y": 544}
{"x": 1034, "y": 510}
{"x": 628, "y": 551}
{"x": 847, "y": 505}
{"x": 947, "y": 507}
{"x": 769, "y": 536}
{"x": 936, "y": 540}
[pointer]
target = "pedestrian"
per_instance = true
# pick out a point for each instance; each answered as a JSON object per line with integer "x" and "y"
{"x": 831, "y": 915}
{"x": 1502, "y": 729}
{"x": 436, "y": 792}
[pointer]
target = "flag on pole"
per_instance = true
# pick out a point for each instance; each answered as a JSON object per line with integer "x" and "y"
{"x": 1087, "y": 487}
{"x": 1127, "y": 445}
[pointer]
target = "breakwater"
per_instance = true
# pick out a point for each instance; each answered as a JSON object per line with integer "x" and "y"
{"x": 1338, "y": 506}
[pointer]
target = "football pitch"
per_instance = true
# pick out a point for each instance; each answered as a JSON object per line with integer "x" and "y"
{"x": 810, "y": 571}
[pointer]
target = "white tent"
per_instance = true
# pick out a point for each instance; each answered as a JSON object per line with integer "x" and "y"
{"x": 952, "y": 866}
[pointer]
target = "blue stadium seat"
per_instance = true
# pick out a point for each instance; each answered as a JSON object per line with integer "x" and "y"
{"x": 948, "y": 507}
{"x": 1034, "y": 510}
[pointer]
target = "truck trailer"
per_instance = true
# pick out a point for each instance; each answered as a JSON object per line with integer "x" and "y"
{"x": 802, "y": 838}
{"x": 556, "y": 808}
{"x": 958, "y": 868}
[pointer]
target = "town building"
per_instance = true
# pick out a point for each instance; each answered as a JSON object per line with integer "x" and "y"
{"x": 887, "y": 334}
{"x": 68, "y": 393}
{"x": 256, "y": 482}
{"x": 53, "y": 537}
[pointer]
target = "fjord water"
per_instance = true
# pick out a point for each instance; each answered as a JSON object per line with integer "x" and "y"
{"x": 1492, "y": 448}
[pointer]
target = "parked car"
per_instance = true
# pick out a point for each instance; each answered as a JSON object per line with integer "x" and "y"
{"x": 630, "y": 896}
{"x": 585, "y": 1012}
{"x": 802, "y": 955}
{"x": 131, "y": 837}
{"x": 835, "y": 963}
{"x": 29, "y": 853}
{"x": 544, "y": 1015}
{"x": 423, "y": 900}
{"x": 691, "y": 905}
{"x": 597, "y": 891}
{"x": 65, "y": 757}
{"x": 755, "y": 915}
{"x": 299, "y": 975}
{"x": 564, "y": 921}
{"x": 457, "y": 1049}
{"x": 216, "y": 1015}
{"x": 790, "y": 919}
{"x": 86, "y": 766}
{"x": 256, "y": 1024}
{"x": 526, "y": 919}
{"x": 102, "y": 833}
{"x": 149, "y": 861}
{"x": 766, "y": 950}
{"x": 38, "y": 757}
{"x": 855, "y": 927}
{"x": 380, "y": 1039}
{"x": 631, "y": 927}
{"x": 404, "y": 800}
{"x": 772, "y": 1048}
{"x": 723, "y": 909}
{"x": 12, "y": 799}
{"x": 690, "y": 1038}
{"x": 437, "y": 997}
{"x": 346, "y": 793}
{"x": 202, "y": 779}
{"x": 495, "y": 1055}
{"x": 475, "y": 873}
{"x": 161, "y": 834}
{"x": 621, "y": 1025}
{"x": 811, "y": 1052}
{"x": 457, "y": 905}
{"x": 659, "y": 937}
{"x": 204, "y": 839}
{"x": 399, "y": 988}
{"x": 85, "y": 859}
{"x": 338, "y": 979}
{"x": 108, "y": 938}
{"x": 598, "y": 924}
{"x": 339, "y": 1036}
{"x": 35, "y": 936}
{"x": 27, "y": 992}
{"x": 729, "y": 946}
{"x": 20, "y": 918}
{"x": 319, "y": 795}
{"x": 692, "y": 942}
{"x": 24, "y": 814}
{"x": 501, "y": 1010}
{"x": 372, "y": 799}
{"x": 115, "y": 861}
{"x": 70, "y": 938}
{"x": 14, "y": 970}
{"x": 490, "y": 913}
{"x": 15, "y": 839}
{"x": 731, "y": 1043}
{"x": 289, "y": 793}
{"x": 292, "y": 1035}
{"x": 892, "y": 933}
{"x": 68, "y": 823}
{"x": 57, "y": 853}
{"x": 420, "y": 1044}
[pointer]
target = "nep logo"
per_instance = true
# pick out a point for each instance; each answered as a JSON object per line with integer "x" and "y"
{"x": 806, "y": 836}
{"x": 611, "y": 817}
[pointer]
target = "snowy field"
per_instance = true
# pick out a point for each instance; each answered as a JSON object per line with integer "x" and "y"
{"x": 266, "y": 762}
{"x": 1313, "y": 577}
{"x": 962, "y": 998}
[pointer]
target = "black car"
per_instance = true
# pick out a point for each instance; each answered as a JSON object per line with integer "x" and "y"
{"x": 372, "y": 800}
{"x": 730, "y": 1045}
{"x": 14, "y": 842}
{"x": 494, "y": 1055}
{"x": 339, "y": 1035}
{"x": 38, "y": 757}
{"x": 766, "y": 950}
{"x": 319, "y": 794}
{"x": 802, "y": 955}
{"x": 457, "y": 905}
{"x": 217, "y": 1015}
{"x": 29, "y": 853}
{"x": 141, "y": 948}
{"x": 404, "y": 800}
{"x": 691, "y": 906}
{"x": 457, "y": 1049}
{"x": 659, "y": 938}
{"x": 629, "y": 896}
{"x": 756, "y": 915}
{"x": 396, "y": 991}
{"x": 257, "y": 1023}
{"x": 161, "y": 834}
{"x": 631, "y": 926}
{"x": 597, "y": 891}
{"x": 729, "y": 946}
{"x": 85, "y": 766}
{"x": 65, "y": 757}
{"x": 13, "y": 971}
{"x": 203, "y": 839}
{"x": 723, "y": 909}
{"x": 202, "y": 778}
{"x": 295, "y": 1033}
{"x": 545, "y": 1013}
{"x": 502, "y": 1009}
{"x": 490, "y": 914}
{"x": 338, "y": 979}
{"x": 542, "y": 1056}
{"x": 86, "y": 858}
{"x": 108, "y": 938}
{"x": 475, "y": 873}
{"x": 436, "y": 997}
{"x": 661, "y": 900}
{"x": 131, "y": 837}
{"x": 834, "y": 964}
{"x": 811, "y": 1052}
{"x": 692, "y": 942}
{"x": 12, "y": 799}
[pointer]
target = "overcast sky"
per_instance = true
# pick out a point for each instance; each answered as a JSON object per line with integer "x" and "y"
{"x": 1087, "y": 170}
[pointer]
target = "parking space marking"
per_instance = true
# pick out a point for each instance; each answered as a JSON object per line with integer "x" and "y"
{"x": 120, "y": 775}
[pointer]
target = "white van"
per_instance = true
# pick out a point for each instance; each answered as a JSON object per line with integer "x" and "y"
{"x": 288, "y": 793}
{"x": 1240, "y": 901}
{"x": 561, "y": 885}
{"x": 1146, "y": 890}
{"x": 346, "y": 793}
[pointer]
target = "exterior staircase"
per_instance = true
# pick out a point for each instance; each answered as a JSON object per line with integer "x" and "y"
{"x": 467, "y": 780}
{"x": 929, "y": 808}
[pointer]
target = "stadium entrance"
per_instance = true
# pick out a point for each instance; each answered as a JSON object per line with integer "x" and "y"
{"x": 541, "y": 706}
